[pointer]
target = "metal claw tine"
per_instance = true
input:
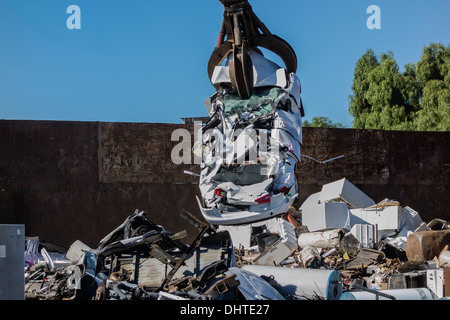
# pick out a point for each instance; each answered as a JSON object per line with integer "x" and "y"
{"x": 241, "y": 27}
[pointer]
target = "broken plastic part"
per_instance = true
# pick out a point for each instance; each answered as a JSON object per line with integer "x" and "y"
{"x": 253, "y": 287}
{"x": 219, "y": 192}
{"x": 264, "y": 199}
{"x": 258, "y": 212}
{"x": 285, "y": 189}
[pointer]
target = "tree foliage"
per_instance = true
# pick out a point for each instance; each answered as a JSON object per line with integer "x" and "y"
{"x": 322, "y": 122}
{"x": 416, "y": 99}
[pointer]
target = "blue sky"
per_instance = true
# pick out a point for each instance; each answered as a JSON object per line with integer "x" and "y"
{"x": 145, "y": 60}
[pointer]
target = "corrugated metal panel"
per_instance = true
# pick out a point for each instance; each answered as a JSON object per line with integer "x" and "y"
{"x": 287, "y": 233}
{"x": 367, "y": 234}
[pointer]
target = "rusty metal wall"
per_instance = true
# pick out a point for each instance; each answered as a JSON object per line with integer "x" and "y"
{"x": 70, "y": 181}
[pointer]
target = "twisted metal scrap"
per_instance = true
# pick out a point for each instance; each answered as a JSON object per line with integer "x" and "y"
{"x": 244, "y": 32}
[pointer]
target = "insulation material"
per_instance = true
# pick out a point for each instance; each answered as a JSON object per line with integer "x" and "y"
{"x": 324, "y": 240}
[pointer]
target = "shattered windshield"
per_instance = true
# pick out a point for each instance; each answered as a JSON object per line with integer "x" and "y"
{"x": 261, "y": 102}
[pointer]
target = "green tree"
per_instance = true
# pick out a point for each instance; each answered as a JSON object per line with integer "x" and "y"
{"x": 322, "y": 122}
{"x": 416, "y": 99}
{"x": 435, "y": 112}
{"x": 433, "y": 76}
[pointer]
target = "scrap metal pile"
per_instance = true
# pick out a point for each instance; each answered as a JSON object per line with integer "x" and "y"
{"x": 142, "y": 261}
{"x": 253, "y": 244}
{"x": 338, "y": 245}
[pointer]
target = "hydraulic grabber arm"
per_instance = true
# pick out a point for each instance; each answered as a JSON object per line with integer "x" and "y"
{"x": 241, "y": 32}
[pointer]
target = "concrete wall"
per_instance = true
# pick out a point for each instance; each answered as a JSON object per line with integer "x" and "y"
{"x": 70, "y": 181}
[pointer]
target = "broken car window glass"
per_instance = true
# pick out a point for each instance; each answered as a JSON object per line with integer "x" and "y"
{"x": 260, "y": 103}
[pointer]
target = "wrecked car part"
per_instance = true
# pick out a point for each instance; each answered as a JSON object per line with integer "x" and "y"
{"x": 55, "y": 254}
{"x": 210, "y": 279}
{"x": 203, "y": 229}
{"x": 69, "y": 283}
{"x": 107, "y": 247}
{"x": 257, "y": 212}
{"x": 307, "y": 283}
{"x": 76, "y": 252}
{"x": 156, "y": 266}
{"x": 48, "y": 288}
{"x": 134, "y": 225}
{"x": 253, "y": 287}
{"x": 129, "y": 244}
{"x": 47, "y": 259}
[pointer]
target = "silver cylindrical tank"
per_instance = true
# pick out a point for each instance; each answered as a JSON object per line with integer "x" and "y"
{"x": 309, "y": 283}
{"x": 399, "y": 294}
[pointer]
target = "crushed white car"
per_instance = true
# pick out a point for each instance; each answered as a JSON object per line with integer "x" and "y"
{"x": 250, "y": 147}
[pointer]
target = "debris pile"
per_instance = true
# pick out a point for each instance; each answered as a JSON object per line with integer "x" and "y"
{"x": 379, "y": 251}
{"x": 138, "y": 260}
